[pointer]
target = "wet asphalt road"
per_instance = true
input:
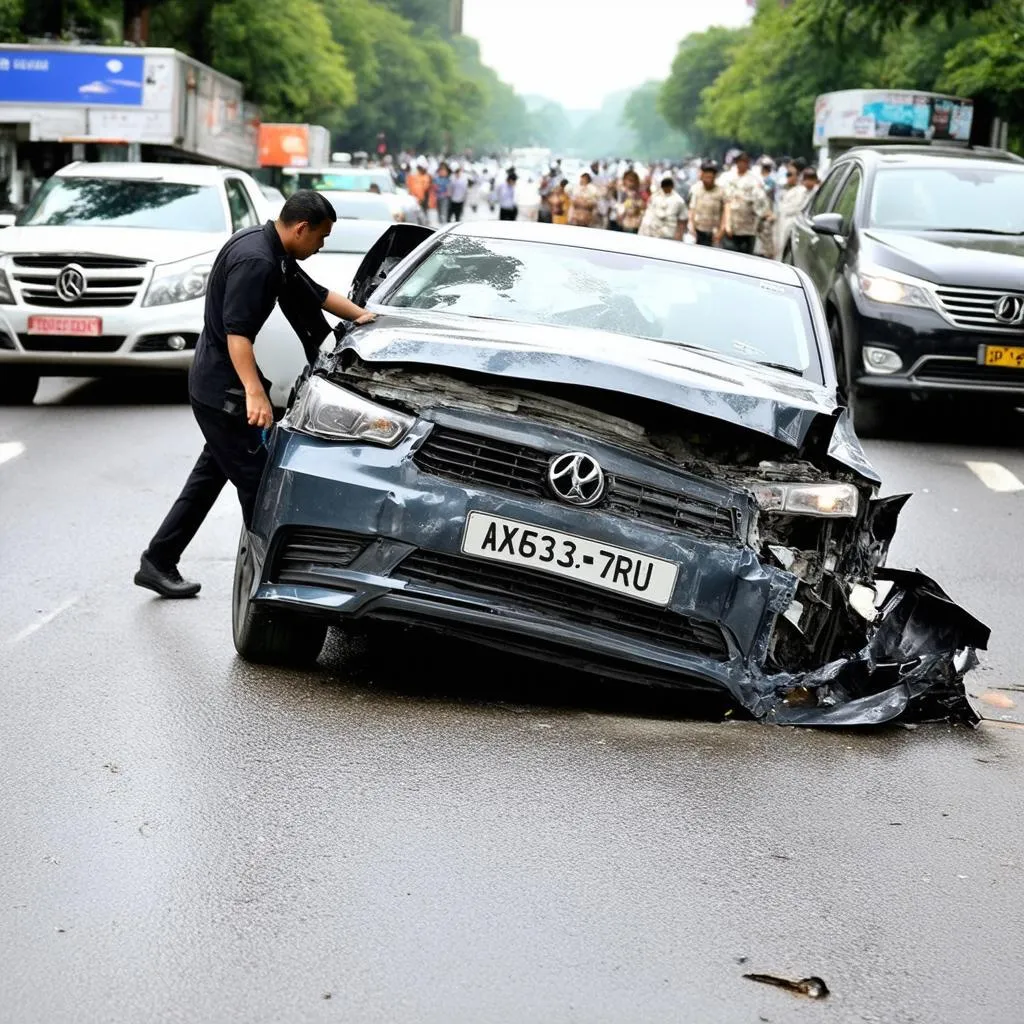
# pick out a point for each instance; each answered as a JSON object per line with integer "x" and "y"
{"x": 432, "y": 833}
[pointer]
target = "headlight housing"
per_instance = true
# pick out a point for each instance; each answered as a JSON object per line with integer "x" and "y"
{"x": 6, "y": 295}
{"x": 892, "y": 288}
{"x": 179, "y": 282}
{"x": 830, "y": 500}
{"x": 322, "y": 409}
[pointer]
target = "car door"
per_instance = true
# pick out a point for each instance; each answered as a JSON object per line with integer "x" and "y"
{"x": 806, "y": 242}
{"x": 243, "y": 215}
{"x": 835, "y": 251}
{"x": 387, "y": 252}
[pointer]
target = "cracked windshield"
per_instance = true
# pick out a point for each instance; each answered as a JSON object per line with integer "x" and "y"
{"x": 507, "y": 511}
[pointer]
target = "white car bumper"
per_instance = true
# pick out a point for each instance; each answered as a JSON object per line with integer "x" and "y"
{"x": 131, "y": 337}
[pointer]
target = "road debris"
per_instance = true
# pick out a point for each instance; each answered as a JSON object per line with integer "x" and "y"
{"x": 813, "y": 987}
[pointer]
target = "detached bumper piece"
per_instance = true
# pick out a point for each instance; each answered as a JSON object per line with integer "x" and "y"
{"x": 912, "y": 666}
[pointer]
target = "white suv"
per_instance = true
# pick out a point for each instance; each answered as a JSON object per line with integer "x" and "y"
{"x": 106, "y": 269}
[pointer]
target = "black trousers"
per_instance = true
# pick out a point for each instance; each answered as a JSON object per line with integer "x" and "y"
{"x": 742, "y": 243}
{"x": 233, "y": 451}
{"x": 455, "y": 212}
{"x": 508, "y": 214}
{"x": 705, "y": 238}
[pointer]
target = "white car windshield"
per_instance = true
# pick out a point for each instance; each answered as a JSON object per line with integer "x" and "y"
{"x": 342, "y": 181}
{"x": 126, "y": 203}
{"x": 969, "y": 199}
{"x": 735, "y": 315}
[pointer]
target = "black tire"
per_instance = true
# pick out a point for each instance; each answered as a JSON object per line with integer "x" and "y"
{"x": 270, "y": 636}
{"x": 17, "y": 386}
{"x": 871, "y": 416}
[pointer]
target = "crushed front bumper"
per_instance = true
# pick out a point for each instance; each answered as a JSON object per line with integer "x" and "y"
{"x": 353, "y": 531}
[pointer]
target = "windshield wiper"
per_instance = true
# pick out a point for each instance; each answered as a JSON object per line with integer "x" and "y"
{"x": 778, "y": 366}
{"x": 974, "y": 231}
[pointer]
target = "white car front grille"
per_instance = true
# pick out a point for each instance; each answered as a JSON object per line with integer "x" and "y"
{"x": 109, "y": 280}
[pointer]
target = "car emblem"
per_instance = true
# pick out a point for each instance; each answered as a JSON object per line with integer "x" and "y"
{"x": 576, "y": 478}
{"x": 1010, "y": 309}
{"x": 71, "y": 282}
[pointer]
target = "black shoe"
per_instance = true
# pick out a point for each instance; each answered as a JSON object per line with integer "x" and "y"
{"x": 166, "y": 582}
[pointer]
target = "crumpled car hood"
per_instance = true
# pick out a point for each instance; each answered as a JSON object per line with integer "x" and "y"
{"x": 758, "y": 398}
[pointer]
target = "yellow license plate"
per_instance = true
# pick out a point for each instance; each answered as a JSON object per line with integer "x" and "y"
{"x": 1004, "y": 355}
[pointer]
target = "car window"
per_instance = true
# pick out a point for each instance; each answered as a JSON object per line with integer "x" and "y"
{"x": 126, "y": 203}
{"x": 821, "y": 203}
{"x": 360, "y": 205}
{"x": 242, "y": 213}
{"x": 735, "y": 315}
{"x": 846, "y": 204}
{"x": 961, "y": 198}
{"x": 342, "y": 181}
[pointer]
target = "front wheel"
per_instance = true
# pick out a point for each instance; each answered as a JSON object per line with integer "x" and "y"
{"x": 269, "y": 635}
{"x": 17, "y": 386}
{"x": 871, "y": 415}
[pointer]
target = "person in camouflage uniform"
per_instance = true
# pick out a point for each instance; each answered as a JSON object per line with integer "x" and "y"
{"x": 707, "y": 207}
{"x": 745, "y": 205}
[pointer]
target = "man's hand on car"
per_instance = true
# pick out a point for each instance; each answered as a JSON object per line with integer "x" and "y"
{"x": 258, "y": 409}
{"x": 366, "y": 318}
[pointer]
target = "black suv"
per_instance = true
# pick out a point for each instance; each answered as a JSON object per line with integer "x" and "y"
{"x": 918, "y": 256}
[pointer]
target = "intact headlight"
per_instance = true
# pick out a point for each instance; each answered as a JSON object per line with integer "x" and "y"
{"x": 179, "y": 282}
{"x": 892, "y": 289}
{"x": 830, "y": 500}
{"x": 324, "y": 410}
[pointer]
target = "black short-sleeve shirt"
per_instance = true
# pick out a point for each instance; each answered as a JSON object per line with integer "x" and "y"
{"x": 244, "y": 284}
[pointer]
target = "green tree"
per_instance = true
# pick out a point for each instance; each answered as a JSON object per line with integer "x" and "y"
{"x": 701, "y": 58}
{"x": 654, "y": 137}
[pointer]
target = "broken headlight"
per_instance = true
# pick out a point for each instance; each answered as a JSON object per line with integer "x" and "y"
{"x": 830, "y": 500}
{"x": 324, "y": 410}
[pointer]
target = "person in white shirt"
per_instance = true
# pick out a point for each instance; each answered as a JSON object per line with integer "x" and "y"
{"x": 505, "y": 197}
{"x": 457, "y": 189}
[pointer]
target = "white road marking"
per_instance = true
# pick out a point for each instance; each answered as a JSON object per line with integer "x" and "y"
{"x": 995, "y": 477}
{"x": 44, "y": 621}
{"x": 10, "y": 450}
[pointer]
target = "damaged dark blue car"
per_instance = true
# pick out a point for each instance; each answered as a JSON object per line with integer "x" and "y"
{"x": 614, "y": 453}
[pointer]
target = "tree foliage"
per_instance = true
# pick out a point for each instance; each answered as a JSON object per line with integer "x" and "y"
{"x": 757, "y": 88}
{"x": 653, "y": 137}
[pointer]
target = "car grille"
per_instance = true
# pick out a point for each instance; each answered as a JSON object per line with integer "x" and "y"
{"x": 964, "y": 371}
{"x": 471, "y": 458}
{"x": 110, "y": 280}
{"x": 312, "y": 555}
{"x": 558, "y": 598}
{"x": 70, "y": 343}
{"x": 972, "y": 307}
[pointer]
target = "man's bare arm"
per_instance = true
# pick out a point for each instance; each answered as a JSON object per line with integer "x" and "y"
{"x": 341, "y": 307}
{"x": 258, "y": 410}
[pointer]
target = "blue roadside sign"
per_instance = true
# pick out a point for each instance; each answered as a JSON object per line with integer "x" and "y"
{"x": 64, "y": 76}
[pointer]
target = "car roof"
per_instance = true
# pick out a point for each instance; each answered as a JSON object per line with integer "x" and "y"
{"x": 929, "y": 156}
{"x": 182, "y": 174}
{"x": 631, "y": 245}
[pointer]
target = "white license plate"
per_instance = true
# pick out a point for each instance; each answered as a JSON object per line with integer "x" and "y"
{"x": 565, "y": 554}
{"x": 68, "y": 326}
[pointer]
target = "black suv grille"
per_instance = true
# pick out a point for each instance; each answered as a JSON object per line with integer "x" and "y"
{"x": 554, "y": 597}
{"x": 312, "y": 555}
{"x": 473, "y": 458}
{"x": 962, "y": 371}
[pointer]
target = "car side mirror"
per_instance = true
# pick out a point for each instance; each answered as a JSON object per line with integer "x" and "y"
{"x": 828, "y": 224}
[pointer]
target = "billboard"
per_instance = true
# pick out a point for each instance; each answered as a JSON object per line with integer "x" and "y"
{"x": 29, "y": 75}
{"x": 877, "y": 114}
{"x": 284, "y": 145}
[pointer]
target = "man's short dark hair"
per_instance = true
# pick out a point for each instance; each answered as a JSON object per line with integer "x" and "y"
{"x": 744, "y": 156}
{"x": 809, "y": 174}
{"x": 309, "y": 206}
{"x": 799, "y": 163}
{"x": 668, "y": 180}
{"x": 709, "y": 166}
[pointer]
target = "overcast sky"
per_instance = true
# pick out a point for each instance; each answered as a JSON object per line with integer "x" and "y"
{"x": 578, "y": 51}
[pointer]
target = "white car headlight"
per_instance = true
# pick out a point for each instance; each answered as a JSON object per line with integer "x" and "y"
{"x": 891, "y": 288}
{"x": 324, "y": 410}
{"x": 179, "y": 282}
{"x": 830, "y": 500}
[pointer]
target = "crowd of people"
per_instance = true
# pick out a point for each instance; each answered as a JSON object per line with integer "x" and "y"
{"x": 745, "y": 205}
{"x": 734, "y": 206}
